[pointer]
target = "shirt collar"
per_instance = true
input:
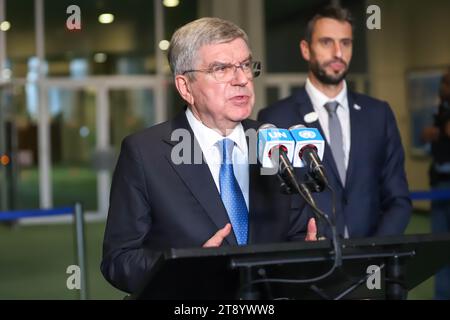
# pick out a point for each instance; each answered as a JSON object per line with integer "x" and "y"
{"x": 208, "y": 137}
{"x": 321, "y": 99}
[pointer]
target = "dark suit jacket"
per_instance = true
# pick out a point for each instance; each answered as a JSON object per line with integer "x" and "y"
{"x": 375, "y": 200}
{"x": 156, "y": 204}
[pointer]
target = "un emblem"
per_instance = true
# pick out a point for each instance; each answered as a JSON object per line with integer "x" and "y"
{"x": 307, "y": 134}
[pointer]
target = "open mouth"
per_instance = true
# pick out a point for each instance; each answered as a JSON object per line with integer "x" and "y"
{"x": 240, "y": 99}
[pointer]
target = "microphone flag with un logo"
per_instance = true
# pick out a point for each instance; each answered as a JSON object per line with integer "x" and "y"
{"x": 270, "y": 137}
{"x": 305, "y": 137}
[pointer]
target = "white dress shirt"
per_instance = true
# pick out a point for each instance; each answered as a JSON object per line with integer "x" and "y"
{"x": 208, "y": 140}
{"x": 318, "y": 100}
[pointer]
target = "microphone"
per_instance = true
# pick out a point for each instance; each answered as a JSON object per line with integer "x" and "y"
{"x": 309, "y": 149}
{"x": 275, "y": 146}
{"x": 274, "y": 143}
{"x": 275, "y": 151}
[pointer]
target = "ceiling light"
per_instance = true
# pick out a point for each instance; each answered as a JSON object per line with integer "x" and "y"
{"x": 5, "y": 26}
{"x": 171, "y": 3}
{"x": 164, "y": 45}
{"x": 100, "y": 57}
{"x": 106, "y": 18}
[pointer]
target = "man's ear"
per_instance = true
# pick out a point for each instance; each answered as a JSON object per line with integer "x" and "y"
{"x": 184, "y": 88}
{"x": 304, "y": 49}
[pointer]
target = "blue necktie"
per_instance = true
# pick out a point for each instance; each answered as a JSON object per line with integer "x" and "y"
{"x": 231, "y": 193}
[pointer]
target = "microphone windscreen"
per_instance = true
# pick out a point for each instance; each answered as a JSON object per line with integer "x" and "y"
{"x": 266, "y": 126}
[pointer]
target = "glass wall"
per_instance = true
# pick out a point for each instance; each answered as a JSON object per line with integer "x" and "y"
{"x": 121, "y": 43}
{"x": 73, "y": 142}
{"x": 131, "y": 111}
{"x": 20, "y": 175}
{"x": 20, "y": 38}
{"x": 122, "y": 52}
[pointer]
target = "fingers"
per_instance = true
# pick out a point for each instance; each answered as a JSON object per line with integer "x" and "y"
{"x": 217, "y": 239}
{"x": 311, "y": 234}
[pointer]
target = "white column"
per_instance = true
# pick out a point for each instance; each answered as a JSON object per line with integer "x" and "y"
{"x": 2, "y": 41}
{"x": 3, "y": 188}
{"x": 44, "y": 144}
{"x": 160, "y": 93}
{"x": 103, "y": 144}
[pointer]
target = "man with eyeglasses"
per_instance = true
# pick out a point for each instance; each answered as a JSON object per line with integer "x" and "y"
{"x": 190, "y": 182}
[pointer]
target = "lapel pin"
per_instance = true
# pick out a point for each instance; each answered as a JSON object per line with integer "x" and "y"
{"x": 356, "y": 107}
{"x": 311, "y": 117}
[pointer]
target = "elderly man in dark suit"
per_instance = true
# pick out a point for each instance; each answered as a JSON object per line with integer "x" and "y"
{"x": 364, "y": 157}
{"x": 200, "y": 190}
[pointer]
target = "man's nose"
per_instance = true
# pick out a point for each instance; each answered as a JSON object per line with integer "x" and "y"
{"x": 337, "y": 50}
{"x": 239, "y": 77}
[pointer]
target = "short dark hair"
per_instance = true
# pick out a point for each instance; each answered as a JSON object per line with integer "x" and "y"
{"x": 332, "y": 12}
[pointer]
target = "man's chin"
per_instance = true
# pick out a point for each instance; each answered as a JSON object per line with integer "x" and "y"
{"x": 242, "y": 113}
{"x": 332, "y": 79}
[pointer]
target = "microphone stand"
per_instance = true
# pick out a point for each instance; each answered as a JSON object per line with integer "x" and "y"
{"x": 302, "y": 189}
{"x": 290, "y": 183}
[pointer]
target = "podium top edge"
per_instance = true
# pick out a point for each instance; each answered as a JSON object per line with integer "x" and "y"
{"x": 280, "y": 247}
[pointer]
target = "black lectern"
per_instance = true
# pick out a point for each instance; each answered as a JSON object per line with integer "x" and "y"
{"x": 372, "y": 268}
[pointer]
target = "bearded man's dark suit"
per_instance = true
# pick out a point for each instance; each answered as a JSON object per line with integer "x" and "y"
{"x": 375, "y": 199}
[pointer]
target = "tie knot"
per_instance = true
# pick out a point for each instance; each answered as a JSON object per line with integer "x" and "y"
{"x": 227, "y": 150}
{"x": 331, "y": 106}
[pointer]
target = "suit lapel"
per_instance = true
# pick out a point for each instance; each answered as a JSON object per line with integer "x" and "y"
{"x": 356, "y": 127}
{"x": 306, "y": 108}
{"x": 199, "y": 180}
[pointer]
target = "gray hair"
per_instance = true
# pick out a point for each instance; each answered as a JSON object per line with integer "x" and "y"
{"x": 188, "y": 39}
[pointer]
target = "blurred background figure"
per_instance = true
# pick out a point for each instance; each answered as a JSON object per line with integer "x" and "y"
{"x": 439, "y": 137}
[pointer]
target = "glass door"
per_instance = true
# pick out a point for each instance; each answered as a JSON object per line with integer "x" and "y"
{"x": 88, "y": 123}
{"x": 19, "y": 182}
{"x": 73, "y": 144}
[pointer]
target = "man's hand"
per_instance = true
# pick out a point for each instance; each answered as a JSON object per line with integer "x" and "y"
{"x": 217, "y": 239}
{"x": 311, "y": 234}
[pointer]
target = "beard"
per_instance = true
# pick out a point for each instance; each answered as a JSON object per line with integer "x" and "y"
{"x": 320, "y": 73}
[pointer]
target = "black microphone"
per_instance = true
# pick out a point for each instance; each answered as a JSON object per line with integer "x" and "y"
{"x": 285, "y": 169}
{"x": 309, "y": 155}
{"x": 277, "y": 151}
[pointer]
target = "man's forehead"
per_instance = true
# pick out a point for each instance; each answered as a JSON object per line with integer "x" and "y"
{"x": 332, "y": 28}
{"x": 233, "y": 51}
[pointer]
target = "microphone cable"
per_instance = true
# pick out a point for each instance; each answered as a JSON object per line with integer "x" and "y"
{"x": 337, "y": 253}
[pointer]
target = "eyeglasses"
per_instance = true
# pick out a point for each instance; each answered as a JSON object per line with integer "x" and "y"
{"x": 224, "y": 72}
